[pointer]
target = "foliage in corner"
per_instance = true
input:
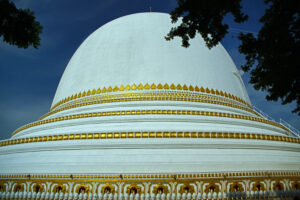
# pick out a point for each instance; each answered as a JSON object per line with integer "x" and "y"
{"x": 271, "y": 56}
{"x": 204, "y": 17}
{"x": 18, "y": 26}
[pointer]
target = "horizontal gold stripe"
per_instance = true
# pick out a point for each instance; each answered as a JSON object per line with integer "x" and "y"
{"x": 166, "y": 134}
{"x": 153, "y": 86}
{"x": 151, "y": 96}
{"x": 159, "y": 94}
{"x": 150, "y": 112}
{"x": 152, "y": 176}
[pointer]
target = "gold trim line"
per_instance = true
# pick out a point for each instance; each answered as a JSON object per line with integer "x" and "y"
{"x": 225, "y": 175}
{"x": 151, "y": 96}
{"x": 150, "y": 112}
{"x": 164, "y": 134}
{"x": 147, "y": 86}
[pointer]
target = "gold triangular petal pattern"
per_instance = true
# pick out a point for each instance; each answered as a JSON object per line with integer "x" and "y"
{"x": 173, "y": 87}
{"x": 179, "y": 87}
{"x": 147, "y": 86}
{"x": 127, "y": 87}
{"x": 159, "y": 86}
{"x": 202, "y": 89}
{"x": 166, "y": 86}
{"x": 140, "y": 87}
{"x": 134, "y": 87}
{"x": 185, "y": 87}
{"x": 115, "y": 89}
{"x": 153, "y": 86}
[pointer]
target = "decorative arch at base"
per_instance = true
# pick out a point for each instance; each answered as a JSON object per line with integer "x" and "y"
{"x": 249, "y": 185}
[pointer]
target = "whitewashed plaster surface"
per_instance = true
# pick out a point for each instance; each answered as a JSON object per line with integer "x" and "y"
{"x": 129, "y": 50}
{"x": 133, "y": 50}
{"x": 149, "y": 156}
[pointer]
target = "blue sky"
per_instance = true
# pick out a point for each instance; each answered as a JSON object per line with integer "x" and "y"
{"x": 28, "y": 78}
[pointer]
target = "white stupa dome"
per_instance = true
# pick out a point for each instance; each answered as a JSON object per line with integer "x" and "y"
{"x": 133, "y": 50}
{"x": 135, "y": 116}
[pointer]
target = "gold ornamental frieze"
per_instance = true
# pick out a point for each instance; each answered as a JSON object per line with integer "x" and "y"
{"x": 151, "y": 112}
{"x": 146, "y": 87}
{"x": 226, "y": 186}
{"x": 145, "y": 135}
{"x": 139, "y": 96}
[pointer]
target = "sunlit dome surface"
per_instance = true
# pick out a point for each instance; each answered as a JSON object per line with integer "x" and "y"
{"x": 133, "y": 50}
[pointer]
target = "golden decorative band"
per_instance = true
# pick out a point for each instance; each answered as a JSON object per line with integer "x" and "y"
{"x": 165, "y": 134}
{"x": 152, "y": 96}
{"x": 225, "y": 175}
{"x": 150, "y": 112}
{"x": 149, "y": 87}
{"x": 206, "y": 186}
{"x": 159, "y": 94}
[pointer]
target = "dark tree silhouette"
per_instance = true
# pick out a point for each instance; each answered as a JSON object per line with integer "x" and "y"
{"x": 18, "y": 26}
{"x": 271, "y": 56}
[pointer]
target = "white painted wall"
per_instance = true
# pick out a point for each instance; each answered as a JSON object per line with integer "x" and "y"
{"x": 132, "y": 49}
{"x": 149, "y": 156}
